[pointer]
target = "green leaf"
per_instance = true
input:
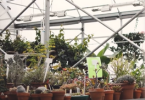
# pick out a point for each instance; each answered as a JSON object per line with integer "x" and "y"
{"x": 102, "y": 52}
{"x": 105, "y": 59}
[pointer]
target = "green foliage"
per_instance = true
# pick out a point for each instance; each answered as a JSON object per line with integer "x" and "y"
{"x": 120, "y": 66}
{"x": 117, "y": 88}
{"x": 137, "y": 74}
{"x": 66, "y": 52}
{"x": 35, "y": 75}
{"x": 2, "y": 85}
{"x": 6, "y": 43}
{"x": 17, "y": 45}
{"x": 129, "y": 51}
{"x": 16, "y": 70}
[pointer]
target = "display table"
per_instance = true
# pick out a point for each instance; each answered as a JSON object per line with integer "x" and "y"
{"x": 82, "y": 97}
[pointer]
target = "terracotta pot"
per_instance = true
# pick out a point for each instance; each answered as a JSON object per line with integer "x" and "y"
{"x": 116, "y": 96}
{"x": 23, "y": 96}
{"x": 34, "y": 97}
{"x": 109, "y": 94}
{"x": 37, "y": 84}
{"x": 103, "y": 98}
{"x": 127, "y": 90}
{"x": 10, "y": 85}
{"x": 12, "y": 95}
{"x": 67, "y": 98}
{"x": 143, "y": 92}
{"x": 137, "y": 94}
{"x": 58, "y": 95}
{"x": 96, "y": 94}
{"x": 47, "y": 96}
{"x": 3, "y": 97}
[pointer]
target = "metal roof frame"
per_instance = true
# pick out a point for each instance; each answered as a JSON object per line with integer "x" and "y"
{"x": 84, "y": 19}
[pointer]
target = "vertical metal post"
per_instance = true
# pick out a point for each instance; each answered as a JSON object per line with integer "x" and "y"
{"x": 47, "y": 25}
{"x": 17, "y": 33}
{"x": 83, "y": 32}
{"x": 121, "y": 23}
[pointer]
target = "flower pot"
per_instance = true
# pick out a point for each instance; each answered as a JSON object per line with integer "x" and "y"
{"x": 23, "y": 96}
{"x": 103, "y": 98}
{"x": 58, "y": 95}
{"x": 143, "y": 92}
{"x": 116, "y": 96}
{"x": 47, "y": 96}
{"x": 137, "y": 94}
{"x": 127, "y": 90}
{"x": 96, "y": 94}
{"x": 109, "y": 94}
{"x": 12, "y": 95}
{"x": 67, "y": 98}
{"x": 34, "y": 97}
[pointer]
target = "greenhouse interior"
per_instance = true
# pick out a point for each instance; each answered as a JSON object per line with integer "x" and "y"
{"x": 103, "y": 59}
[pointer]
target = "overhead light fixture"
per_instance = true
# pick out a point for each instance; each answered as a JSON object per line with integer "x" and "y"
{"x": 106, "y": 8}
{"x": 61, "y": 13}
{"x": 109, "y": 7}
{"x": 25, "y": 18}
{"x": 137, "y": 3}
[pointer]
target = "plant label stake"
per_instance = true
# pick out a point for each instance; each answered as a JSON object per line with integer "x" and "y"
{"x": 84, "y": 82}
{"x": 47, "y": 62}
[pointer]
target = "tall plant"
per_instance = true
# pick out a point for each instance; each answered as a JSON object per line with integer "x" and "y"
{"x": 68, "y": 54}
{"x": 121, "y": 66}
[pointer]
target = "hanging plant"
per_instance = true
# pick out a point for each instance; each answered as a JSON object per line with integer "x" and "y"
{"x": 129, "y": 51}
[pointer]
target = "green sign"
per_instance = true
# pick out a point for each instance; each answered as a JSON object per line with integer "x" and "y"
{"x": 93, "y": 63}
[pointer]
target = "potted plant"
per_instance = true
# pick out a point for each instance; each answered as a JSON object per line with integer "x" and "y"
{"x": 16, "y": 70}
{"x": 139, "y": 75}
{"x": 46, "y": 95}
{"x": 127, "y": 84}
{"x": 12, "y": 94}
{"x": 21, "y": 93}
{"x": 108, "y": 92}
{"x": 137, "y": 92}
{"x": 96, "y": 93}
{"x": 117, "y": 92}
{"x": 120, "y": 66}
{"x": 34, "y": 77}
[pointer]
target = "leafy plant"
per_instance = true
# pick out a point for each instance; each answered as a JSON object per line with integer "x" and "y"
{"x": 117, "y": 88}
{"x": 17, "y": 45}
{"x": 121, "y": 66}
{"x": 7, "y": 43}
{"x": 129, "y": 51}
{"x": 16, "y": 70}
{"x": 68, "y": 54}
{"x": 35, "y": 75}
{"x": 137, "y": 74}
